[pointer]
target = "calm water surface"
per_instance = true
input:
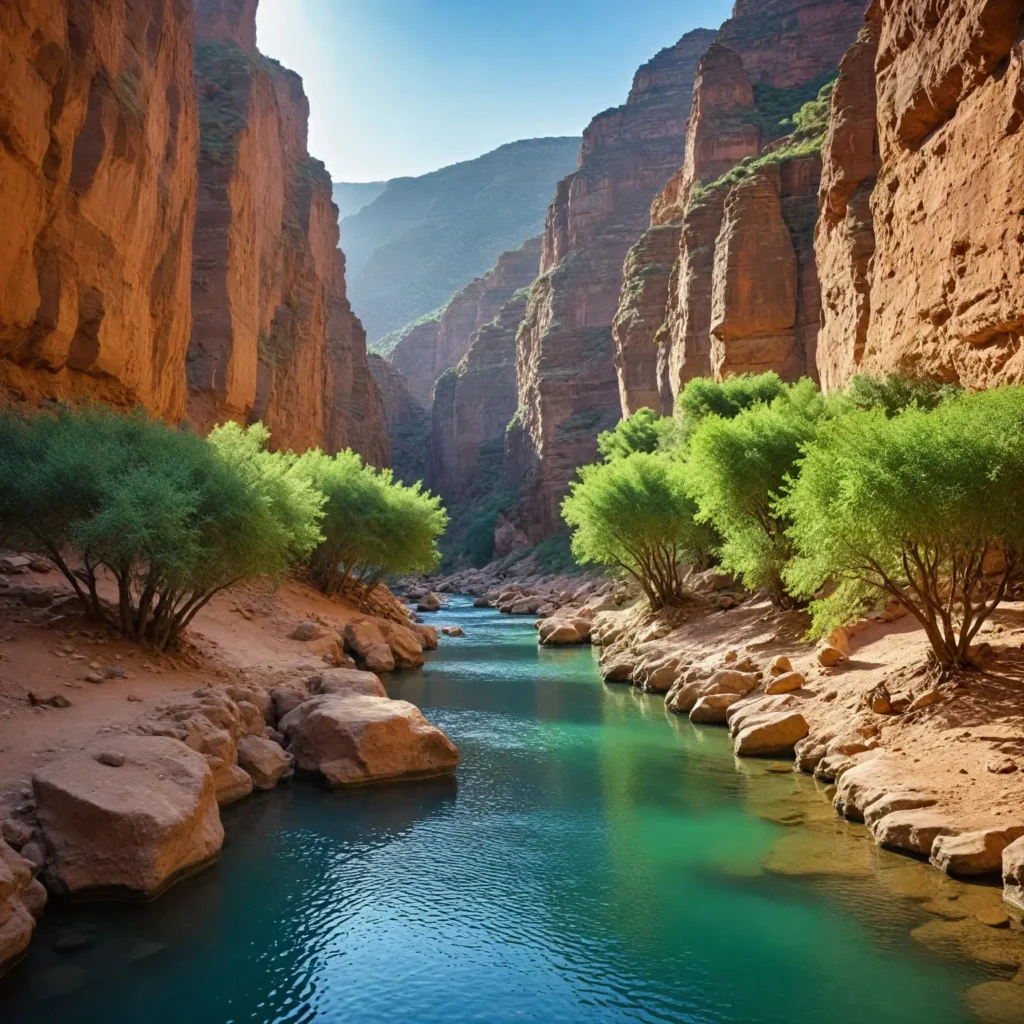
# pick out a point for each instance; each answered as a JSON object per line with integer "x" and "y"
{"x": 594, "y": 861}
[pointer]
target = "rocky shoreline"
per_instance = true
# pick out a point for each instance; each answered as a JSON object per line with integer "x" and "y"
{"x": 125, "y": 811}
{"x": 935, "y": 772}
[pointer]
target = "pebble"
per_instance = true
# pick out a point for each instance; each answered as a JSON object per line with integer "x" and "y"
{"x": 111, "y": 758}
{"x": 113, "y": 672}
{"x": 93, "y": 677}
{"x": 134, "y": 699}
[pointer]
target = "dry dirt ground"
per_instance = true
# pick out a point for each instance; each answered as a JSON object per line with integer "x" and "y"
{"x": 242, "y": 635}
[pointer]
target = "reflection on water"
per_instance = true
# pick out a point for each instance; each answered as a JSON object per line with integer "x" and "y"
{"x": 593, "y": 861}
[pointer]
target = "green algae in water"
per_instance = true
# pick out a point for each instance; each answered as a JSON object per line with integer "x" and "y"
{"x": 594, "y": 861}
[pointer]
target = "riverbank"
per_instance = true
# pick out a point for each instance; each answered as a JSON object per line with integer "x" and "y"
{"x": 96, "y": 731}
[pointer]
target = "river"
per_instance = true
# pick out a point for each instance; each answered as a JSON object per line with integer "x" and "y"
{"x": 594, "y": 861}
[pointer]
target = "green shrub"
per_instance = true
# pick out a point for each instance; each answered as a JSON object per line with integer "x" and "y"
{"x": 373, "y": 525}
{"x": 738, "y": 467}
{"x": 172, "y": 518}
{"x": 914, "y": 507}
{"x": 635, "y": 513}
{"x": 703, "y": 397}
{"x": 897, "y": 392}
{"x": 638, "y": 433}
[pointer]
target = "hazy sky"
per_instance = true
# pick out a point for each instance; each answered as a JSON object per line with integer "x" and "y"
{"x": 406, "y": 86}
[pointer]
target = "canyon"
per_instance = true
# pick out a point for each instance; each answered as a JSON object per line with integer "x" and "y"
{"x": 169, "y": 241}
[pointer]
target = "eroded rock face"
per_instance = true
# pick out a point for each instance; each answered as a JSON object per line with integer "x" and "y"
{"x": 98, "y": 108}
{"x": 129, "y": 828}
{"x": 273, "y": 335}
{"x": 943, "y": 293}
{"x": 428, "y": 349}
{"x": 475, "y": 400}
{"x": 353, "y": 741}
{"x": 567, "y": 384}
{"x": 407, "y": 421}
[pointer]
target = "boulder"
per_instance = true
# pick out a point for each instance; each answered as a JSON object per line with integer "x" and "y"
{"x": 682, "y": 697}
{"x": 775, "y": 735}
{"x": 974, "y": 853}
{"x": 348, "y": 682}
{"x": 785, "y": 683}
{"x": 429, "y": 602}
{"x": 525, "y": 606}
{"x": 352, "y": 741}
{"x": 405, "y": 643}
{"x": 131, "y": 830}
{"x": 780, "y": 666}
{"x": 713, "y": 707}
{"x": 563, "y": 634}
{"x": 287, "y": 698}
{"x": 1013, "y": 874}
{"x": 730, "y": 681}
{"x": 21, "y": 901}
{"x": 361, "y": 634}
{"x": 427, "y": 635}
{"x": 453, "y": 631}
{"x": 481, "y": 602}
{"x": 263, "y": 761}
{"x": 305, "y": 631}
{"x": 829, "y": 656}
{"x": 912, "y": 831}
{"x": 379, "y": 659}
{"x": 618, "y": 668}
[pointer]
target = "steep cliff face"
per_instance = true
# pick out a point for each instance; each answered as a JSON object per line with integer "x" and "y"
{"x": 473, "y": 404}
{"x": 567, "y": 383}
{"x": 426, "y": 349}
{"x": 98, "y": 124}
{"x": 408, "y": 422}
{"x": 273, "y": 335}
{"x": 927, "y": 278}
{"x": 742, "y": 293}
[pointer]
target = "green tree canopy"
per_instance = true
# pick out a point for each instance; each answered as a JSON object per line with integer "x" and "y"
{"x": 897, "y": 392}
{"x": 373, "y": 525}
{"x": 635, "y": 513}
{"x": 637, "y": 433}
{"x": 924, "y": 507}
{"x": 703, "y": 397}
{"x": 738, "y": 467}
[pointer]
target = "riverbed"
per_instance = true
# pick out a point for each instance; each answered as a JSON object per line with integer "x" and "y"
{"x": 594, "y": 860}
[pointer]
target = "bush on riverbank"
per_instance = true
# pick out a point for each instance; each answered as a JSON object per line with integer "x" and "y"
{"x": 173, "y": 518}
{"x": 373, "y": 525}
{"x": 635, "y": 513}
{"x": 923, "y": 507}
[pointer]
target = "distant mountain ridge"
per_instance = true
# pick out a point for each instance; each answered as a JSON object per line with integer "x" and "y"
{"x": 351, "y": 196}
{"x": 422, "y": 239}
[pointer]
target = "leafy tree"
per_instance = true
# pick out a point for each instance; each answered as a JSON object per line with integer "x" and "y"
{"x": 738, "y": 467}
{"x": 924, "y": 507}
{"x": 703, "y": 397}
{"x": 637, "y": 433}
{"x": 897, "y": 392}
{"x": 373, "y": 525}
{"x": 171, "y": 518}
{"x": 635, "y": 513}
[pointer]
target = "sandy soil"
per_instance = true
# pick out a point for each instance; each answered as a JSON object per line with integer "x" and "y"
{"x": 241, "y": 635}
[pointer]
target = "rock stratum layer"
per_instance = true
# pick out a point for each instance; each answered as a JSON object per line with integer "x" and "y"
{"x": 98, "y": 157}
{"x": 921, "y": 242}
{"x": 274, "y": 337}
{"x": 567, "y": 388}
{"x": 119, "y": 122}
{"x": 425, "y": 350}
{"x": 475, "y": 399}
{"x": 740, "y": 292}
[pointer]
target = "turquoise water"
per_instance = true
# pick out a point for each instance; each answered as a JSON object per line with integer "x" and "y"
{"x": 594, "y": 861}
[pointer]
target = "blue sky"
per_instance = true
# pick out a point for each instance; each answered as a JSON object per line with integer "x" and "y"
{"x": 406, "y": 86}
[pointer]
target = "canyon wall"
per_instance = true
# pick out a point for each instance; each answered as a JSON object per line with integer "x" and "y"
{"x": 921, "y": 241}
{"x": 424, "y": 350}
{"x": 407, "y": 421}
{"x": 273, "y": 336}
{"x": 567, "y": 386}
{"x": 740, "y": 294}
{"x": 98, "y": 197}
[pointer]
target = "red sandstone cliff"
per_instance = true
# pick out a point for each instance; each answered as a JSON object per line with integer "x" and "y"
{"x": 273, "y": 335}
{"x": 97, "y": 199}
{"x": 428, "y": 348}
{"x": 566, "y": 371}
{"x": 741, "y": 293}
{"x": 921, "y": 241}
{"x": 474, "y": 402}
{"x": 408, "y": 422}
